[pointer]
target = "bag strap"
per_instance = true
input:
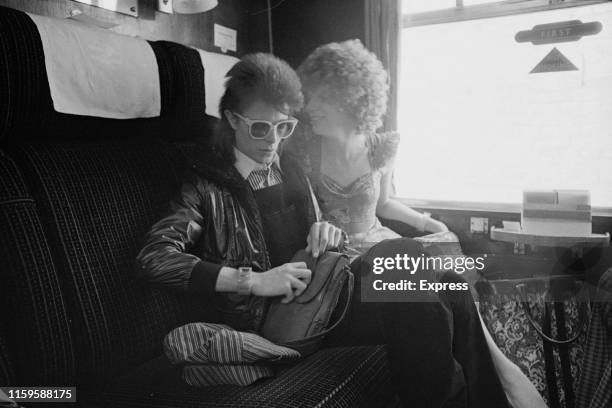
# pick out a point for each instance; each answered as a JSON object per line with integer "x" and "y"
{"x": 350, "y": 283}
{"x": 582, "y": 316}
{"x": 564, "y": 356}
{"x": 549, "y": 361}
{"x": 549, "y": 342}
{"x": 315, "y": 204}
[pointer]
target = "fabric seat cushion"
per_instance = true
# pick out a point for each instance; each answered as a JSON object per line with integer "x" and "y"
{"x": 334, "y": 377}
{"x": 97, "y": 201}
{"x": 33, "y": 317}
{"x": 7, "y": 373}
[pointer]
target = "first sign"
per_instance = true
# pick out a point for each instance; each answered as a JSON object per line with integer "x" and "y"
{"x": 563, "y": 31}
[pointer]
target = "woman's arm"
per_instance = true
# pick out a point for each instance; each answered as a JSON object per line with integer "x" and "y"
{"x": 394, "y": 210}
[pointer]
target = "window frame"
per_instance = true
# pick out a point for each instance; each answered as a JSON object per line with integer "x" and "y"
{"x": 473, "y": 12}
{"x": 491, "y": 10}
{"x": 478, "y": 206}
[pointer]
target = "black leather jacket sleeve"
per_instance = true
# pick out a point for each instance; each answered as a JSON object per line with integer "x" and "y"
{"x": 165, "y": 259}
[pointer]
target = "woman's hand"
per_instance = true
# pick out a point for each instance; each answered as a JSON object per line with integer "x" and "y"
{"x": 323, "y": 236}
{"x": 434, "y": 226}
{"x": 290, "y": 280}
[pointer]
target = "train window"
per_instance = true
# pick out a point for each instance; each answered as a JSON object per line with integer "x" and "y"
{"x": 481, "y": 122}
{"x": 420, "y": 6}
{"x": 411, "y": 6}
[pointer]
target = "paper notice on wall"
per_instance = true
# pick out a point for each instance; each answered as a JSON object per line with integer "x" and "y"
{"x": 225, "y": 38}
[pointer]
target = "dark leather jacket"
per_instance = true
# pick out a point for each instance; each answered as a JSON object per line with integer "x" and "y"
{"x": 214, "y": 221}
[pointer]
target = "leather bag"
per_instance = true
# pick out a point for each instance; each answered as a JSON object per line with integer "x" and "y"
{"x": 303, "y": 323}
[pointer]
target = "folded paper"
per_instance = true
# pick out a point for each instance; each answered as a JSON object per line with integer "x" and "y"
{"x": 557, "y": 212}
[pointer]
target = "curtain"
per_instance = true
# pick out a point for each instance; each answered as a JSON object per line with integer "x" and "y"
{"x": 382, "y": 36}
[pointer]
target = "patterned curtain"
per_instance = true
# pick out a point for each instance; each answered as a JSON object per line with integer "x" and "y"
{"x": 382, "y": 36}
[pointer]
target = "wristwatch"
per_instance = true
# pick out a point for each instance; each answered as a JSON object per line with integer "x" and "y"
{"x": 244, "y": 282}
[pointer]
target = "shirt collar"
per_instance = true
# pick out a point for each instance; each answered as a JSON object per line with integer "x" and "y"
{"x": 245, "y": 165}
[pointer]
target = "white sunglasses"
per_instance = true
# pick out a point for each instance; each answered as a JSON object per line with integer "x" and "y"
{"x": 259, "y": 129}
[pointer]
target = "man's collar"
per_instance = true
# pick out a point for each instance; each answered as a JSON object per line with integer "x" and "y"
{"x": 245, "y": 165}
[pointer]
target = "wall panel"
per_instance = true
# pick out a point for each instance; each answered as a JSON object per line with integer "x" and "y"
{"x": 195, "y": 30}
{"x": 302, "y": 25}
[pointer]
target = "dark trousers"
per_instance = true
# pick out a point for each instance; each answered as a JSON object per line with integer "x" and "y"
{"x": 437, "y": 350}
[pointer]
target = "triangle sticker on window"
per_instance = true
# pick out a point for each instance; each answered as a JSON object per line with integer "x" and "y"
{"x": 554, "y": 61}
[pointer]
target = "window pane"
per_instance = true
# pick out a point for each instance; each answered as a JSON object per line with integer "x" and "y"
{"x": 419, "y": 6}
{"x": 474, "y": 2}
{"x": 477, "y": 126}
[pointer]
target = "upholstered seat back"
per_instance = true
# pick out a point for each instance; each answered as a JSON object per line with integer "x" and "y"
{"x": 33, "y": 318}
{"x": 7, "y": 376}
{"x": 26, "y": 107}
{"x": 87, "y": 191}
{"x": 97, "y": 201}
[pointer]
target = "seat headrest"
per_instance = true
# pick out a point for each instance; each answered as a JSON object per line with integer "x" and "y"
{"x": 26, "y": 103}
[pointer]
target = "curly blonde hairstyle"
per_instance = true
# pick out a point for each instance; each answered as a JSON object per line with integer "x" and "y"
{"x": 350, "y": 78}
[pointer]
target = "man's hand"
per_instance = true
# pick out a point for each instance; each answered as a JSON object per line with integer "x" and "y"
{"x": 290, "y": 280}
{"x": 323, "y": 236}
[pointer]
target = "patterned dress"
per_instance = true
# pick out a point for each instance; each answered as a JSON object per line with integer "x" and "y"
{"x": 351, "y": 207}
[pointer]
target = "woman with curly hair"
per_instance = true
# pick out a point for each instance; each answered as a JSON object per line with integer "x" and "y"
{"x": 350, "y": 167}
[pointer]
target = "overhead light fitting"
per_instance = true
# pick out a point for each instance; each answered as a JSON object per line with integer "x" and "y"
{"x": 186, "y": 6}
